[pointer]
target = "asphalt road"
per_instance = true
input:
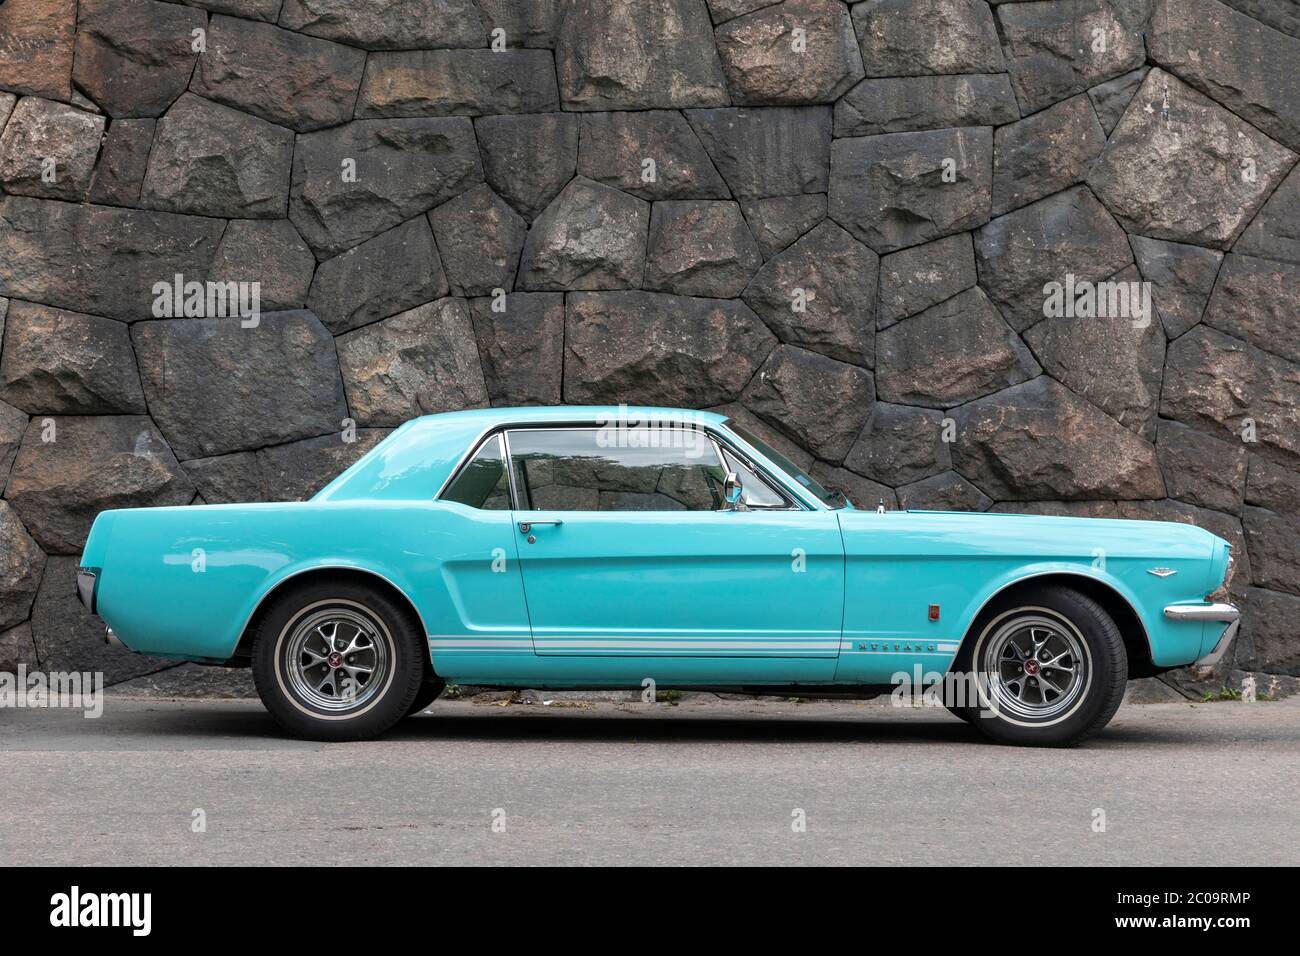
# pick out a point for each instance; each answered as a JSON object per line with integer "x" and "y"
{"x": 707, "y": 781}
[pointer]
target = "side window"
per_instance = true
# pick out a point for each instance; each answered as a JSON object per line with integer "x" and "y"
{"x": 581, "y": 469}
{"x": 483, "y": 482}
{"x": 757, "y": 493}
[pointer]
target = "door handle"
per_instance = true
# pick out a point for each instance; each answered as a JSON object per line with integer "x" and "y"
{"x": 526, "y": 526}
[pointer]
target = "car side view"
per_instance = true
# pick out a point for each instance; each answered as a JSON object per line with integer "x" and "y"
{"x": 601, "y": 547}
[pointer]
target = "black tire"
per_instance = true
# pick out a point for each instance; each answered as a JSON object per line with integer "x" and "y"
{"x": 1084, "y": 629}
{"x": 961, "y": 713}
{"x": 385, "y": 630}
{"x": 429, "y": 692}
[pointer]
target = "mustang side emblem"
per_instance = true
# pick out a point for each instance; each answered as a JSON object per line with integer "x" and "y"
{"x": 1161, "y": 572}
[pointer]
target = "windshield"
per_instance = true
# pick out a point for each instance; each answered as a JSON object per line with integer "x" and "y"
{"x": 831, "y": 499}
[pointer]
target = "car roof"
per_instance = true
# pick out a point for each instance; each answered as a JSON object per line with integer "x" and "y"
{"x": 550, "y": 414}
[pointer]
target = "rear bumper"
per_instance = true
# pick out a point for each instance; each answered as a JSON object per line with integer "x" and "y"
{"x": 87, "y": 578}
{"x": 1227, "y": 614}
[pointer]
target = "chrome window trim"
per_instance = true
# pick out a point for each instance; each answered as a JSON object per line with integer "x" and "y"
{"x": 798, "y": 498}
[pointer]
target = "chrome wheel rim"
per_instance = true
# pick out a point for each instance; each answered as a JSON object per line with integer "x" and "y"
{"x": 337, "y": 659}
{"x": 1036, "y": 668}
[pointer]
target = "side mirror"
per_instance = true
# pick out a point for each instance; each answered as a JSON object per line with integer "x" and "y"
{"x": 733, "y": 492}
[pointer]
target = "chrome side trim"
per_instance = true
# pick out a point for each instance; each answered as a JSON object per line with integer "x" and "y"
{"x": 1202, "y": 612}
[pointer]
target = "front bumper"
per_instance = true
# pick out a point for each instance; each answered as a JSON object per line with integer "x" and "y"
{"x": 1226, "y": 613}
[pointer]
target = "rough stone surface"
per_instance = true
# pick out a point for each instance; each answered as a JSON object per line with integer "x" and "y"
{"x": 59, "y": 362}
{"x": 13, "y": 422}
{"x": 889, "y": 191}
{"x": 1181, "y": 278}
{"x": 1115, "y": 363}
{"x": 767, "y": 62}
{"x": 777, "y": 151}
{"x": 293, "y": 80}
{"x": 1067, "y": 234}
{"x": 271, "y": 253}
{"x": 1269, "y": 626}
{"x": 946, "y": 492}
{"x": 590, "y": 237}
{"x": 389, "y": 26}
{"x": 900, "y": 104}
{"x": 48, "y": 248}
{"x": 1173, "y": 168}
{"x": 528, "y": 159}
{"x": 691, "y": 164}
{"x": 1111, "y": 98}
{"x": 1053, "y": 50}
{"x": 900, "y": 445}
{"x": 821, "y": 294}
{"x": 214, "y": 386}
{"x": 457, "y": 82}
{"x": 1258, "y": 300}
{"x": 653, "y": 53}
{"x": 652, "y": 154}
{"x": 918, "y": 37}
{"x": 1275, "y": 231}
{"x": 17, "y": 649}
{"x": 916, "y": 278}
{"x": 479, "y": 238}
{"x": 951, "y": 353}
{"x": 822, "y": 403}
{"x": 863, "y": 492}
{"x": 21, "y": 563}
{"x": 533, "y": 24}
{"x": 779, "y": 221}
{"x": 415, "y": 363}
{"x": 297, "y": 470}
{"x": 1204, "y": 470}
{"x": 123, "y": 159}
{"x": 1220, "y": 384}
{"x": 211, "y": 160}
{"x": 1274, "y": 543}
{"x": 39, "y": 40}
{"x": 1039, "y": 440}
{"x": 134, "y": 57}
{"x": 1240, "y": 62}
{"x": 521, "y": 346}
{"x": 93, "y": 463}
{"x": 648, "y": 348}
{"x": 40, "y": 131}
{"x": 403, "y": 167}
{"x": 1044, "y": 153}
{"x": 393, "y": 272}
{"x": 699, "y": 248}
{"x": 1272, "y": 486}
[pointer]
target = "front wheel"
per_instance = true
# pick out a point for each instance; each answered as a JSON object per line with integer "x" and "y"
{"x": 1048, "y": 666}
{"x": 336, "y": 660}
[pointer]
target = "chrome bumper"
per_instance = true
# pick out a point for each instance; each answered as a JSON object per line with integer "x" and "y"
{"x": 1227, "y": 613}
{"x": 86, "y": 578}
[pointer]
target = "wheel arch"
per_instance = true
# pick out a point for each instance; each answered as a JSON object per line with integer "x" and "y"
{"x": 244, "y": 648}
{"x": 1137, "y": 643}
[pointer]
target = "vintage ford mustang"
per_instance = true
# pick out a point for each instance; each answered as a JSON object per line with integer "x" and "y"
{"x": 599, "y": 547}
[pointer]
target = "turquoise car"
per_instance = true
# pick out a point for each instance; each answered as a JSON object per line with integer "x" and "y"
{"x": 615, "y": 547}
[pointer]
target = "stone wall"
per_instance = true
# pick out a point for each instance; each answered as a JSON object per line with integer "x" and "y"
{"x": 835, "y": 221}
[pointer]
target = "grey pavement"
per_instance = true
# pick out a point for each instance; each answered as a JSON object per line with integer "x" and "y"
{"x": 708, "y": 781}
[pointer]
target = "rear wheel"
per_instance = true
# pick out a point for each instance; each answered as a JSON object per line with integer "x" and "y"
{"x": 1049, "y": 666}
{"x": 336, "y": 660}
{"x": 428, "y": 693}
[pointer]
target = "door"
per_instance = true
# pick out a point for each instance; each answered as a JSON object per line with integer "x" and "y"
{"x": 626, "y": 550}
